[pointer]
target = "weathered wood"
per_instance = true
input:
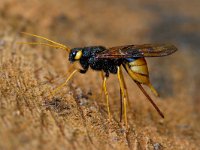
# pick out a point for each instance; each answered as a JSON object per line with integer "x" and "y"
{"x": 76, "y": 118}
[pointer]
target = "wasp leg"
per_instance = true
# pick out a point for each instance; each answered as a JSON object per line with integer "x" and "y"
{"x": 107, "y": 98}
{"x": 125, "y": 87}
{"x": 62, "y": 85}
{"x": 102, "y": 89}
{"x": 121, "y": 103}
{"x": 121, "y": 83}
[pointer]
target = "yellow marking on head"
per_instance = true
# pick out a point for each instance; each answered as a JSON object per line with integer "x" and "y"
{"x": 78, "y": 55}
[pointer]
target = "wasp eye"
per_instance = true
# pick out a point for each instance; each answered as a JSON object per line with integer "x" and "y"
{"x": 78, "y": 55}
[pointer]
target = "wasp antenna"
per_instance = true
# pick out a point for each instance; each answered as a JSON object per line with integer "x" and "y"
{"x": 40, "y": 43}
{"x": 149, "y": 98}
{"x": 51, "y": 41}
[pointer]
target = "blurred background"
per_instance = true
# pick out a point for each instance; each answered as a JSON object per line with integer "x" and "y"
{"x": 26, "y": 72}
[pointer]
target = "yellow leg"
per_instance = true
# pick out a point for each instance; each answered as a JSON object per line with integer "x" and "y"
{"x": 122, "y": 87}
{"x": 121, "y": 103}
{"x": 102, "y": 89}
{"x": 62, "y": 85}
{"x": 106, "y": 94}
{"x": 125, "y": 87}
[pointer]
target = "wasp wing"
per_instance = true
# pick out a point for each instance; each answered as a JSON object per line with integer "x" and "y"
{"x": 145, "y": 50}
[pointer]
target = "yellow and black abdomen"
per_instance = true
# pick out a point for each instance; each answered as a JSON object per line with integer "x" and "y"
{"x": 138, "y": 71}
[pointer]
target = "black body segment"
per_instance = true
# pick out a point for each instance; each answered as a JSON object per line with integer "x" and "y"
{"x": 89, "y": 59}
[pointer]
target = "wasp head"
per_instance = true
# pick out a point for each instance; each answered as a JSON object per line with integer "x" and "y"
{"x": 75, "y": 54}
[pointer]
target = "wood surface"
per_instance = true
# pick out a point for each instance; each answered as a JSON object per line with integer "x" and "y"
{"x": 76, "y": 117}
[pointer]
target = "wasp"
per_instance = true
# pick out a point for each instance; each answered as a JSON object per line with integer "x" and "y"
{"x": 112, "y": 61}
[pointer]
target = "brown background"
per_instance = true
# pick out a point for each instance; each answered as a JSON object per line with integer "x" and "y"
{"x": 77, "y": 119}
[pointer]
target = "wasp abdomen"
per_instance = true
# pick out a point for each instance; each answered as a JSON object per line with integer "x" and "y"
{"x": 138, "y": 71}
